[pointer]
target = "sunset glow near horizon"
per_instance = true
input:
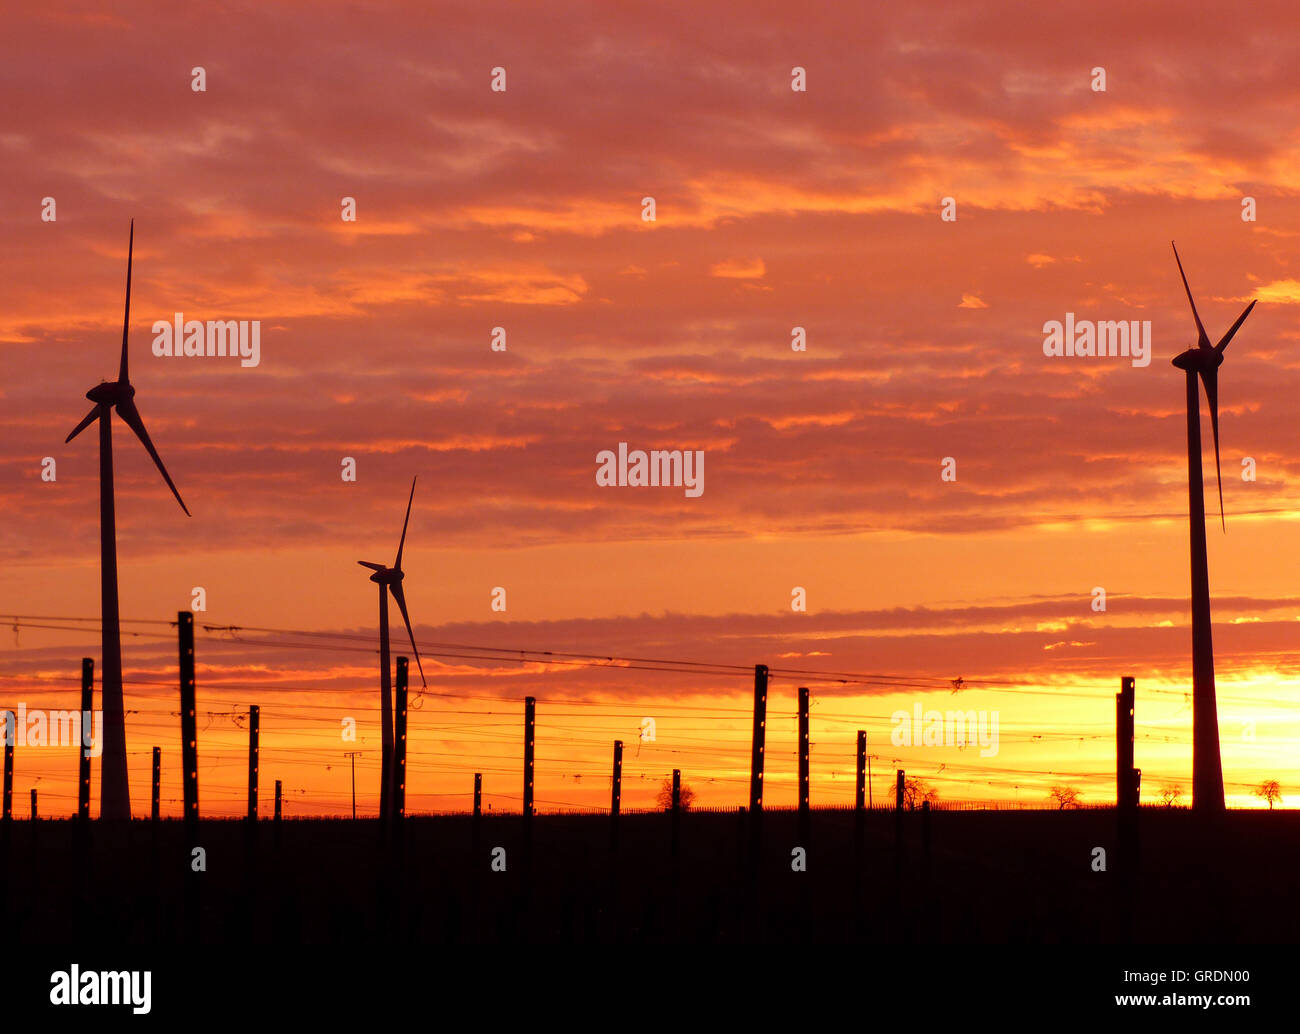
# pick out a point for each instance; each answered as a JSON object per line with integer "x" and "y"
{"x": 775, "y": 209}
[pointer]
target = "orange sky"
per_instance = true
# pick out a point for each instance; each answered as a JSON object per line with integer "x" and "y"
{"x": 774, "y": 209}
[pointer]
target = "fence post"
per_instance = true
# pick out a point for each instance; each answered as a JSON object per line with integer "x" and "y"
{"x": 254, "y": 746}
{"x": 155, "y": 806}
{"x": 189, "y": 724}
{"x": 11, "y": 737}
{"x": 87, "y": 722}
{"x": 615, "y": 794}
{"x": 530, "y": 729}
{"x": 399, "y": 741}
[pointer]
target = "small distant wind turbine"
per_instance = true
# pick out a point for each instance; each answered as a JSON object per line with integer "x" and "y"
{"x": 115, "y": 792}
{"x": 389, "y": 580}
{"x": 1203, "y": 360}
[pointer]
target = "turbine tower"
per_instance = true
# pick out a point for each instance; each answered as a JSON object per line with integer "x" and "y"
{"x": 115, "y": 791}
{"x": 1203, "y": 360}
{"x": 389, "y": 580}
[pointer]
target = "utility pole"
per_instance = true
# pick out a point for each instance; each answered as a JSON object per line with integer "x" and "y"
{"x": 860, "y": 790}
{"x": 616, "y": 786}
{"x": 11, "y": 737}
{"x": 1124, "y": 709}
{"x": 804, "y": 752}
{"x": 254, "y": 714}
{"x": 155, "y": 806}
{"x": 87, "y": 722}
{"x": 353, "y": 754}
{"x": 399, "y": 741}
{"x": 530, "y": 731}
{"x": 760, "y": 739}
{"x": 189, "y": 724}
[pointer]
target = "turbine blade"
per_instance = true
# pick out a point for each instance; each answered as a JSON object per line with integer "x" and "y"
{"x": 83, "y": 425}
{"x": 1210, "y": 378}
{"x": 126, "y": 319}
{"x": 1233, "y": 329}
{"x": 373, "y": 567}
{"x": 1203, "y": 339}
{"x": 400, "y": 597}
{"x": 127, "y": 411}
{"x": 397, "y": 564}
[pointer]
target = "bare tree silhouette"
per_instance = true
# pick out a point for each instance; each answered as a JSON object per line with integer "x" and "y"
{"x": 1170, "y": 795}
{"x": 665, "y": 798}
{"x": 916, "y": 791}
{"x": 1270, "y": 791}
{"x": 1065, "y": 797}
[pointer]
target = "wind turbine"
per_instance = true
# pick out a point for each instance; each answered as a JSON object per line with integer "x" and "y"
{"x": 389, "y": 580}
{"x": 115, "y": 791}
{"x": 1203, "y": 361}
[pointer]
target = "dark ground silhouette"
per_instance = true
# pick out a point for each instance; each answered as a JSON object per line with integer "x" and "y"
{"x": 1001, "y": 877}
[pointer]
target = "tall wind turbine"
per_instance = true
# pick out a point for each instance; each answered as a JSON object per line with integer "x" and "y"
{"x": 389, "y": 580}
{"x": 1203, "y": 360}
{"x": 115, "y": 792}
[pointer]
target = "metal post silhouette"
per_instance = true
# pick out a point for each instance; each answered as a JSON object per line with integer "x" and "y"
{"x": 803, "y": 752}
{"x": 33, "y": 804}
{"x": 277, "y": 800}
{"x": 1124, "y": 706}
{"x": 11, "y": 737}
{"x": 385, "y": 711}
{"x": 478, "y": 795}
{"x": 254, "y": 714}
{"x": 760, "y": 739}
{"x": 676, "y": 812}
{"x": 530, "y": 729}
{"x": 616, "y": 786}
{"x": 155, "y": 804}
{"x": 860, "y": 790}
{"x": 399, "y": 741}
{"x": 87, "y": 722}
{"x": 352, "y": 754}
{"x": 899, "y": 797}
{"x": 1202, "y": 361}
{"x": 189, "y": 721}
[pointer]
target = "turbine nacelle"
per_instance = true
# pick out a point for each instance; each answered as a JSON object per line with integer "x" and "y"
{"x": 110, "y": 393}
{"x": 383, "y": 575}
{"x": 1198, "y": 360}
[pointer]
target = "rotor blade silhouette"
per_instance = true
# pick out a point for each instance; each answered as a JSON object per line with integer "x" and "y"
{"x": 397, "y": 564}
{"x": 127, "y": 411}
{"x": 126, "y": 319}
{"x": 373, "y": 567}
{"x": 1233, "y": 329}
{"x": 400, "y": 597}
{"x": 83, "y": 425}
{"x": 1210, "y": 378}
{"x": 1203, "y": 341}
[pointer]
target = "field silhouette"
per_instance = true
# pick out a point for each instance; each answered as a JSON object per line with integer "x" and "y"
{"x": 1015, "y": 877}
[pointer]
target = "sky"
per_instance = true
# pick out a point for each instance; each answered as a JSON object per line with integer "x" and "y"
{"x": 774, "y": 208}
